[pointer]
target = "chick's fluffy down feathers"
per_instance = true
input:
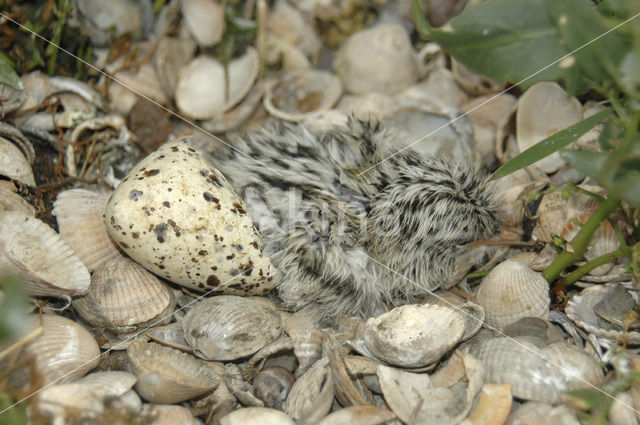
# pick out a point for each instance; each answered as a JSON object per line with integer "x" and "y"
{"x": 354, "y": 245}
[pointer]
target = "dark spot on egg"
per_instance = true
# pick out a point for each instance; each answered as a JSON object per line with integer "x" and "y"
{"x": 167, "y": 204}
{"x": 231, "y": 257}
{"x": 135, "y": 194}
{"x": 161, "y": 231}
{"x": 213, "y": 280}
{"x": 208, "y": 197}
{"x": 135, "y": 235}
{"x": 150, "y": 173}
{"x": 239, "y": 208}
{"x": 202, "y": 252}
{"x": 124, "y": 245}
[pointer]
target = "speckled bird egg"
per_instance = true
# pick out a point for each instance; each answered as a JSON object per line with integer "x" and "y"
{"x": 178, "y": 216}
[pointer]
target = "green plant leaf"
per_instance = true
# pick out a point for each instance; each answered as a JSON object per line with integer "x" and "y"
{"x": 588, "y": 163}
{"x": 509, "y": 40}
{"x": 9, "y": 77}
{"x": 620, "y": 174}
{"x": 551, "y": 144}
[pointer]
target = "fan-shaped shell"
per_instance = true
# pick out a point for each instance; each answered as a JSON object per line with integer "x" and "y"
{"x": 302, "y": 92}
{"x": 201, "y": 89}
{"x": 35, "y": 251}
{"x": 227, "y": 327}
{"x": 169, "y": 376}
{"x": 380, "y": 58}
{"x": 580, "y": 309}
{"x": 538, "y": 374}
{"x": 65, "y": 351}
{"x": 544, "y": 109}
{"x": 413, "y": 335}
{"x": 80, "y": 216}
{"x": 512, "y": 291}
{"x": 124, "y": 296}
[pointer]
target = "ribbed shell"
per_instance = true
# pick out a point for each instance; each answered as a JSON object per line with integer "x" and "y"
{"x": 227, "y": 327}
{"x": 64, "y": 351}
{"x": 80, "y": 216}
{"x": 512, "y": 291}
{"x": 124, "y": 296}
{"x": 168, "y": 376}
{"x": 538, "y": 374}
{"x": 33, "y": 249}
{"x": 413, "y": 335}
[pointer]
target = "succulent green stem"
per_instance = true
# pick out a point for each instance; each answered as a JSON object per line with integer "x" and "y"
{"x": 580, "y": 242}
{"x": 575, "y": 275}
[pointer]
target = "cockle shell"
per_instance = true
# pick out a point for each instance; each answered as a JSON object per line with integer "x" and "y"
{"x": 226, "y": 327}
{"x": 166, "y": 375}
{"x": 38, "y": 254}
{"x": 512, "y": 291}
{"x": 544, "y": 109}
{"x": 179, "y": 217}
{"x": 380, "y": 58}
{"x": 554, "y": 211}
{"x": 538, "y": 374}
{"x": 302, "y": 92}
{"x": 413, "y": 335}
{"x": 125, "y": 296}
{"x": 201, "y": 89}
{"x": 65, "y": 351}
{"x": 80, "y": 217}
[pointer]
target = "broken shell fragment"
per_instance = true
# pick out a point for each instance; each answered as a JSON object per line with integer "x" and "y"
{"x": 512, "y": 291}
{"x": 202, "y": 90}
{"x": 80, "y": 217}
{"x": 256, "y": 416}
{"x": 227, "y": 327}
{"x": 34, "y": 251}
{"x": 125, "y": 296}
{"x": 302, "y": 92}
{"x": 413, "y": 335}
{"x": 179, "y": 218}
{"x": 170, "y": 335}
{"x": 169, "y": 376}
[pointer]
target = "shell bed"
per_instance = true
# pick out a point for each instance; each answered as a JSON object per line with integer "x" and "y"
{"x": 177, "y": 216}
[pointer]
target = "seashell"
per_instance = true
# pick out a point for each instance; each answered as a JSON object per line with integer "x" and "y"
{"x": 544, "y": 109}
{"x": 603, "y": 241}
{"x": 169, "y": 376}
{"x": 143, "y": 81}
{"x": 538, "y": 374}
{"x": 15, "y": 136}
{"x": 349, "y": 391}
{"x": 124, "y": 296}
{"x": 621, "y": 412}
{"x": 373, "y": 104}
{"x": 494, "y": 405}
{"x": 358, "y": 415}
{"x": 580, "y": 309}
{"x": 74, "y": 109}
{"x": 487, "y": 113}
{"x": 554, "y": 212}
{"x": 169, "y": 57}
{"x": 239, "y": 387}
{"x": 10, "y": 201}
{"x": 413, "y": 335}
{"x": 289, "y": 24}
{"x": 512, "y": 291}
{"x": 170, "y": 335}
{"x": 438, "y": 87}
{"x": 534, "y": 330}
{"x": 529, "y": 413}
{"x": 473, "y": 83}
{"x": 80, "y": 217}
{"x": 114, "y": 383}
{"x": 101, "y": 21}
{"x": 64, "y": 352}
{"x": 169, "y": 415}
{"x": 406, "y": 393}
{"x": 256, "y": 416}
{"x": 311, "y": 396}
{"x": 202, "y": 92}
{"x": 178, "y": 217}
{"x": 60, "y": 403}
{"x": 228, "y": 327}
{"x": 272, "y": 386}
{"x": 379, "y": 58}
{"x": 14, "y": 165}
{"x": 12, "y": 98}
{"x": 257, "y": 361}
{"x": 307, "y": 347}
{"x": 34, "y": 251}
{"x": 589, "y": 140}
{"x": 617, "y": 308}
{"x": 302, "y": 92}
{"x": 205, "y": 20}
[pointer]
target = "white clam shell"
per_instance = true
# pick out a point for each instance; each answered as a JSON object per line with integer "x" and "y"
{"x": 14, "y": 165}
{"x": 65, "y": 351}
{"x": 11, "y": 201}
{"x": 413, "y": 335}
{"x": 544, "y": 109}
{"x": 125, "y": 296}
{"x": 165, "y": 414}
{"x": 169, "y": 376}
{"x": 580, "y": 310}
{"x": 80, "y": 217}
{"x": 312, "y": 394}
{"x": 205, "y": 20}
{"x": 301, "y": 93}
{"x": 109, "y": 382}
{"x": 227, "y": 327}
{"x": 169, "y": 57}
{"x": 178, "y": 217}
{"x": 512, "y": 291}
{"x": 201, "y": 89}
{"x": 37, "y": 253}
{"x": 380, "y": 58}
{"x": 256, "y": 416}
